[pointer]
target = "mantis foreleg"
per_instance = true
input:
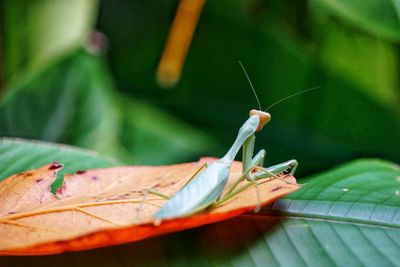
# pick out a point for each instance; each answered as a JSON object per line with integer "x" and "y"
{"x": 249, "y": 162}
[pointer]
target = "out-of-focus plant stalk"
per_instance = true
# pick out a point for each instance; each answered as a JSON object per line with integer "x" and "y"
{"x": 178, "y": 42}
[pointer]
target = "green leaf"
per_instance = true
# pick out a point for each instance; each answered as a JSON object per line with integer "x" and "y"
{"x": 365, "y": 191}
{"x": 40, "y": 32}
{"x": 72, "y": 101}
{"x": 97, "y": 120}
{"x": 375, "y": 74}
{"x": 377, "y": 17}
{"x": 18, "y": 155}
{"x": 42, "y": 106}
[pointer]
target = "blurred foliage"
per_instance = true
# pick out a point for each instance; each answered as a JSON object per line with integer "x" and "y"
{"x": 54, "y": 88}
{"x": 35, "y": 33}
{"x": 74, "y": 102}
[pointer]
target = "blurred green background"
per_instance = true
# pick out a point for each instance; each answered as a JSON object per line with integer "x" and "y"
{"x": 61, "y": 80}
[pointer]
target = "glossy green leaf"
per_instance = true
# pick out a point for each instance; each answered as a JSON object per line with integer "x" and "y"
{"x": 366, "y": 191}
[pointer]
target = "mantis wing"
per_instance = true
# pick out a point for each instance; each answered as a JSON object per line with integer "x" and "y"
{"x": 197, "y": 195}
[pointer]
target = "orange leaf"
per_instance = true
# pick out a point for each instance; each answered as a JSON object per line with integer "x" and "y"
{"x": 101, "y": 207}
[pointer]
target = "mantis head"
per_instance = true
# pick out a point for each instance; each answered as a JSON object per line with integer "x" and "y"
{"x": 265, "y": 117}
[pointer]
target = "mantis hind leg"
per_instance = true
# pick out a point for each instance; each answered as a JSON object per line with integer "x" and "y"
{"x": 286, "y": 168}
{"x": 158, "y": 193}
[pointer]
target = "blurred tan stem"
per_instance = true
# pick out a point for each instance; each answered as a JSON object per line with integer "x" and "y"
{"x": 178, "y": 42}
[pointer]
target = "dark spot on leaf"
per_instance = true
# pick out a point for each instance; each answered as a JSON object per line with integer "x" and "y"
{"x": 12, "y": 212}
{"x": 55, "y": 165}
{"x": 27, "y": 174}
{"x": 80, "y": 172}
{"x": 39, "y": 180}
{"x": 157, "y": 185}
{"x": 95, "y": 178}
{"x": 276, "y": 188}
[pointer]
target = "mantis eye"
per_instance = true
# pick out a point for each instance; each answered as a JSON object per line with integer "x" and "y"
{"x": 265, "y": 117}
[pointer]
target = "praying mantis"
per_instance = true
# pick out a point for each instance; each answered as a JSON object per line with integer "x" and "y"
{"x": 206, "y": 187}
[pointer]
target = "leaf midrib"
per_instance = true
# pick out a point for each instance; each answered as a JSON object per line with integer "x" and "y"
{"x": 322, "y": 218}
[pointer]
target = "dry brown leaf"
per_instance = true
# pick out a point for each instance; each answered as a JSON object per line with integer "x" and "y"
{"x": 103, "y": 207}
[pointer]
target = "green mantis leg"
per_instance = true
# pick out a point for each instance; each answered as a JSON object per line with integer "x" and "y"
{"x": 250, "y": 162}
{"x": 158, "y": 193}
{"x": 257, "y": 163}
{"x": 286, "y": 168}
{"x": 247, "y": 155}
{"x": 272, "y": 172}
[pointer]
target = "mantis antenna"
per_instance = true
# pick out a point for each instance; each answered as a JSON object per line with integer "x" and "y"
{"x": 277, "y": 102}
{"x": 251, "y": 85}
{"x": 290, "y": 96}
